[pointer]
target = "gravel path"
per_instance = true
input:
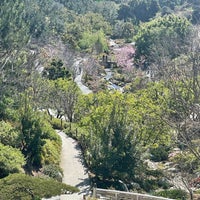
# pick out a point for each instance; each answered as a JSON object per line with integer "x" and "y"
{"x": 71, "y": 157}
{"x": 75, "y": 173}
{"x": 79, "y": 73}
{"x": 72, "y": 164}
{"x": 84, "y": 89}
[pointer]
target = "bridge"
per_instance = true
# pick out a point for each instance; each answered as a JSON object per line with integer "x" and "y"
{"x": 120, "y": 195}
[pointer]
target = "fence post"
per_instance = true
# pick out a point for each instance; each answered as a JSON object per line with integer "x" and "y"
{"x": 94, "y": 195}
{"x": 116, "y": 196}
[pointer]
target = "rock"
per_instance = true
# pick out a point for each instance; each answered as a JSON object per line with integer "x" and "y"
{"x": 173, "y": 170}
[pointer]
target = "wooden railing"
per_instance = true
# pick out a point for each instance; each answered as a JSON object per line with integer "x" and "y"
{"x": 119, "y": 195}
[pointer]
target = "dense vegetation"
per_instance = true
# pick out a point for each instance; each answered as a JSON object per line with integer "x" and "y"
{"x": 20, "y": 186}
{"x": 45, "y": 44}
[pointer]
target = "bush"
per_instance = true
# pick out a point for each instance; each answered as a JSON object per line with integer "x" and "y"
{"x": 174, "y": 194}
{"x": 153, "y": 180}
{"x": 57, "y": 123}
{"x": 186, "y": 161}
{"x": 160, "y": 153}
{"x": 74, "y": 131}
{"x": 50, "y": 153}
{"x": 149, "y": 185}
{"x": 8, "y": 134}
{"x": 53, "y": 171}
{"x": 49, "y": 132}
{"x": 11, "y": 160}
{"x": 20, "y": 186}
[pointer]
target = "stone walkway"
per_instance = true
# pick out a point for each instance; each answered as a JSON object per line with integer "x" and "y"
{"x": 75, "y": 173}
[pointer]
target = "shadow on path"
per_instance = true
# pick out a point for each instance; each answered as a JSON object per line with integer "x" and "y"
{"x": 72, "y": 163}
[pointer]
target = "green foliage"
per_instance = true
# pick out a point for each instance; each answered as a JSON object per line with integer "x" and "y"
{"x": 68, "y": 93}
{"x": 174, "y": 194}
{"x": 57, "y": 123}
{"x": 109, "y": 143}
{"x": 177, "y": 101}
{"x": 92, "y": 41}
{"x": 79, "y": 7}
{"x": 115, "y": 129}
{"x": 50, "y": 152}
{"x": 123, "y": 29}
{"x": 20, "y": 186}
{"x": 119, "y": 127}
{"x": 160, "y": 153}
{"x": 7, "y": 110}
{"x": 37, "y": 138}
{"x": 171, "y": 4}
{"x": 86, "y": 25}
{"x": 151, "y": 180}
{"x": 139, "y": 10}
{"x": 187, "y": 162}
{"x": 15, "y": 33}
{"x": 74, "y": 130}
{"x": 45, "y": 18}
{"x": 32, "y": 141}
{"x": 48, "y": 132}
{"x": 56, "y": 70}
{"x": 195, "y": 13}
{"x": 108, "y": 9}
{"x": 8, "y": 134}
{"x": 53, "y": 171}
{"x": 11, "y": 160}
{"x": 158, "y": 31}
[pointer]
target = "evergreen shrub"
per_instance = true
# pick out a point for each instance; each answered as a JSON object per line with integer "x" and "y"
{"x": 21, "y": 186}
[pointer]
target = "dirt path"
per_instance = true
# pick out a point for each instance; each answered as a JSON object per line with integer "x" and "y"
{"x": 72, "y": 164}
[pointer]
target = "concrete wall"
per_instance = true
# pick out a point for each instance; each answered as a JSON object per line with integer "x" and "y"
{"x": 119, "y": 195}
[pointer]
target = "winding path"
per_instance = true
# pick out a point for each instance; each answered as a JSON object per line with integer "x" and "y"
{"x": 75, "y": 173}
{"x": 83, "y": 88}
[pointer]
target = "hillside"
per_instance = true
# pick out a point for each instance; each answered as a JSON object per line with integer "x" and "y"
{"x": 137, "y": 63}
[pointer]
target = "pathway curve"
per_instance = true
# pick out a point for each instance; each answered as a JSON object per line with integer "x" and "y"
{"x": 79, "y": 73}
{"x": 75, "y": 173}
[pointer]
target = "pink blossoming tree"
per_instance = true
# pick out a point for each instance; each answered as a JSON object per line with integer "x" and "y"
{"x": 124, "y": 57}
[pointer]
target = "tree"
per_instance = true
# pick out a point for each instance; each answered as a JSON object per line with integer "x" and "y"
{"x": 185, "y": 95}
{"x": 56, "y": 70}
{"x": 124, "y": 57}
{"x": 39, "y": 142}
{"x": 107, "y": 9}
{"x": 124, "y": 30}
{"x": 31, "y": 140}
{"x": 156, "y": 32}
{"x": 171, "y": 4}
{"x": 196, "y": 13}
{"x": 93, "y": 42}
{"x": 138, "y": 10}
{"x": 67, "y": 93}
{"x": 45, "y": 18}
{"x": 119, "y": 128}
{"x": 90, "y": 23}
{"x": 80, "y": 6}
{"x": 14, "y": 34}
{"x": 124, "y": 12}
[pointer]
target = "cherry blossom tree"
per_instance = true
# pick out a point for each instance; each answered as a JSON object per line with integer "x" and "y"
{"x": 124, "y": 57}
